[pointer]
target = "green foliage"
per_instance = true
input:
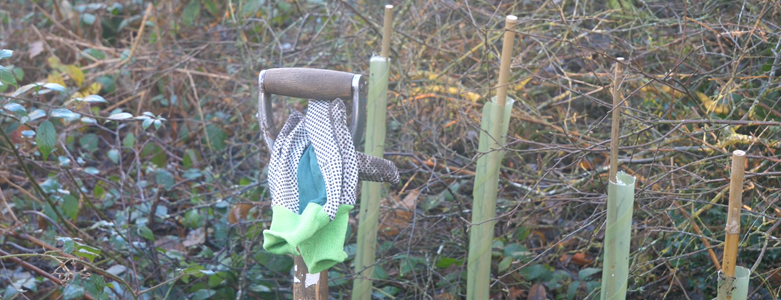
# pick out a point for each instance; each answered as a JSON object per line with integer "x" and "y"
{"x": 46, "y": 138}
{"x": 191, "y": 12}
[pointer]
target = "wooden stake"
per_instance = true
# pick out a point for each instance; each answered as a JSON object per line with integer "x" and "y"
{"x": 504, "y": 66}
{"x": 386, "y": 31}
{"x": 308, "y": 286}
{"x": 732, "y": 230}
{"x": 615, "y": 127}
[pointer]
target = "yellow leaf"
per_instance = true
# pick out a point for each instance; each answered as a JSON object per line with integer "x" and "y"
{"x": 91, "y": 89}
{"x": 54, "y": 62}
{"x": 711, "y": 105}
{"x": 445, "y": 90}
{"x": 75, "y": 73}
{"x": 55, "y": 77}
{"x": 521, "y": 85}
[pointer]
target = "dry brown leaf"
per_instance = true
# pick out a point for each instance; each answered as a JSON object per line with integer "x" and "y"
{"x": 393, "y": 221}
{"x": 170, "y": 243}
{"x": 240, "y": 211}
{"x": 35, "y": 49}
{"x": 537, "y": 292}
{"x": 580, "y": 259}
{"x": 411, "y": 199}
{"x": 564, "y": 259}
{"x": 775, "y": 277}
{"x": 195, "y": 237}
{"x": 444, "y": 296}
{"x": 515, "y": 293}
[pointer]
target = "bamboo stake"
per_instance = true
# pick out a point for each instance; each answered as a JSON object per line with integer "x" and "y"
{"x": 504, "y": 67}
{"x": 733, "y": 280}
{"x": 371, "y": 192}
{"x": 495, "y": 121}
{"x": 732, "y": 229}
{"x": 386, "y": 31}
{"x": 615, "y": 126}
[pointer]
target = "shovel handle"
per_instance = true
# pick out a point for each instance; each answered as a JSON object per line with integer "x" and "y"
{"x": 309, "y": 83}
{"x": 316, "y": 84}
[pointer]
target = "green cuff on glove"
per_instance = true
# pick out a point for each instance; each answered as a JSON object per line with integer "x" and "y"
{"x": 289, "y": 229}
{"x": 319, "y": 239}
{"x": 326, "y": 247}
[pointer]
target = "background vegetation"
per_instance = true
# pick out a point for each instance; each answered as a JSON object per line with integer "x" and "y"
{"x": 135, "y": 169}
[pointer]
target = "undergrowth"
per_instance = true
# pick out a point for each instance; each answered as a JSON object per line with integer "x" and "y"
{"x": 132, "y": 164}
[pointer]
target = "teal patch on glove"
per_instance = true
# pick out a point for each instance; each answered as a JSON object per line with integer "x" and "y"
{"x": 310, "y": 233}
{"x": 311, "y": 185}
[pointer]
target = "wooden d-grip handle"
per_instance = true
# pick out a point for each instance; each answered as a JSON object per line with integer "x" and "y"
{"x": 308, "y": 83}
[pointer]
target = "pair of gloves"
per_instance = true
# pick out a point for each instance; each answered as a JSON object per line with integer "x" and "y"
{"x": 313, "y": 176}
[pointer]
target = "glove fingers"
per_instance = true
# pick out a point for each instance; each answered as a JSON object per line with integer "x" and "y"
{"x": 283, "y": 164}
{"x": 320, "y": 132}
{"x": 376, "y": 169}
{"x": 291, "y": 123}
{"x": 338, "y": 113}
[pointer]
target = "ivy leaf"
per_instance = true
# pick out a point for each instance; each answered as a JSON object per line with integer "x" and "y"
{"x": 191, "y": 12}
{"x": 19, "y": 73}
{"x": 165, "y": 178}
{"x": 202, "y": 294}
{"x": 28, "y": 133}
{"x": 95, "y": 286}
{"x": 55, "y": 87}
{"x": 113, "y": 155}
{"x": 584, "y": 274}
{"x": 70, "y": 206}
{"x": 146, "y": 233}
{"x": 89, "y": 142}
{"x": 251, "y": 7}
{"x": 24, "y": 88}
{"x": 211, "y": 7}
{"x": 64, "y": 161}
{"x": 146, "y": 123}
{"x": 94, "y": 99}
{"x": 87, "y": 251}
{"x": 37, "y": 114}
{"x": 120, "y": 116}
{"x": 5, "y": 53}
{"x": 88, "y": 19}
{"x": 16, "y": 108}
{"x": 46, "y": 138}
{"x": 64, "y": 113}
{"x": 129, "y": 141}
{"x": 7, "y": 77}
{"x": 217, "y": 137}
{"x": 73, "y": 291}
{"x": 67, "y": 244}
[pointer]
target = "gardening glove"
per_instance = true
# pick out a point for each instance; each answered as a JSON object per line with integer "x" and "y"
{"x": 320, "y": 148}
{"x": 284, "y": 235}
{"x": 313, "y": 224}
